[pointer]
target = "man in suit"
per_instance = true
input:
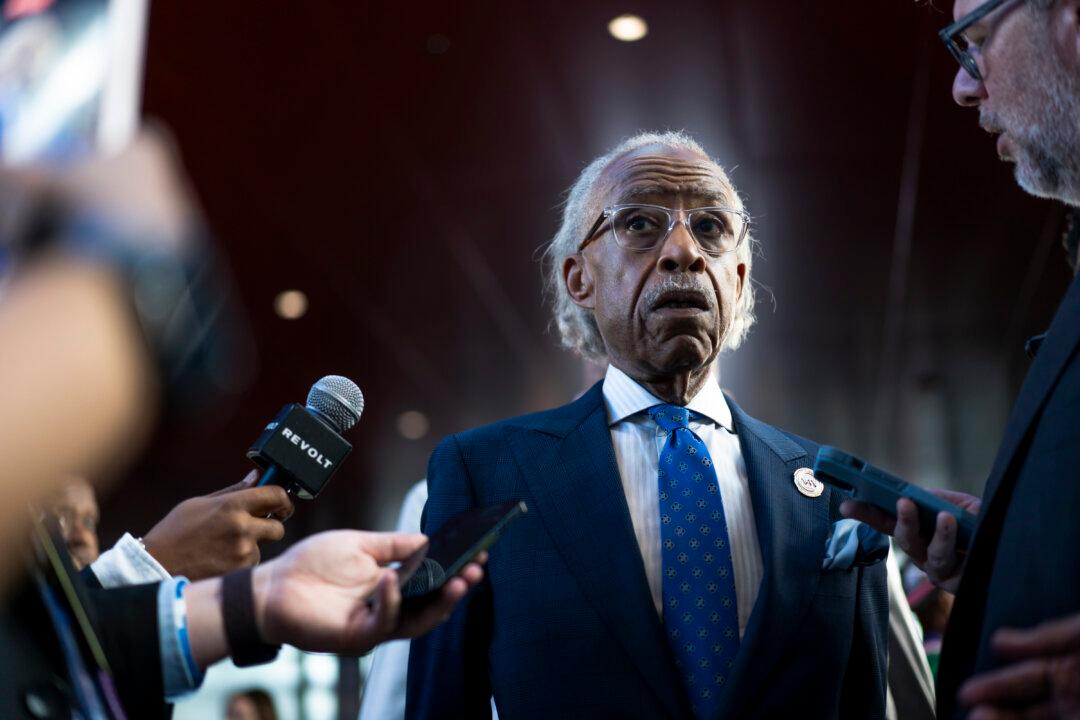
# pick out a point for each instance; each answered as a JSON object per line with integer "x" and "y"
{"x": 676, "y": 557}
{"x": 1012, "y": 646}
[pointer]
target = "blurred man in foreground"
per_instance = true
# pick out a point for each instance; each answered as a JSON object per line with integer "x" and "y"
{"x": 678, "y": 558}
{"x": 1012, "y": 646}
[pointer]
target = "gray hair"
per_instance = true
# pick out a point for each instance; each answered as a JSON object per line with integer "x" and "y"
{"x": 577, "y": 326}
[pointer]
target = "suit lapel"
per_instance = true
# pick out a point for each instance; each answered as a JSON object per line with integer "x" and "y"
{"x": 574, "y": 481}
{"x": 1054, "y": 353}
{"x": 792, "y": 530}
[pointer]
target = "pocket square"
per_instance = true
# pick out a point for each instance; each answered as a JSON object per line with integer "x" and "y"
{"x": 852, "y": 543}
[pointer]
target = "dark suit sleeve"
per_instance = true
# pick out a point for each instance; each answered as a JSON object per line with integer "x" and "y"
{"x": 866, "y": 676}
{"x": 127, "y": 624}
{"x": 448, "y": 668}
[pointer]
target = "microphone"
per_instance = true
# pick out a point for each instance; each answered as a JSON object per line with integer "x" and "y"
{"x": 302, "y": 447}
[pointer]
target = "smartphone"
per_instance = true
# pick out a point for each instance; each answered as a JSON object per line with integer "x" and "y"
{"x": 453, "y": 546}
{"x": 70, "y": 78}
{"x": 878, "y": 488}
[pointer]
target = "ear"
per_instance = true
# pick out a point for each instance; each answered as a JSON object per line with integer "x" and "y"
{"x": 579, "y": 281}
{"x": 740, "y": 270}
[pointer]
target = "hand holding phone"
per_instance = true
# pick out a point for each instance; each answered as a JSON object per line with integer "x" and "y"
{"x": 878, "y": 488}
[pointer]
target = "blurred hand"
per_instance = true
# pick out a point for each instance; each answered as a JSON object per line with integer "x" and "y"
{"x": 938, "y": 559}
{"x": 215, "y": 534}
{"x": 140, "y": 193}
{"x": 330, "y": 593}
{"x": 1042, "y": 682}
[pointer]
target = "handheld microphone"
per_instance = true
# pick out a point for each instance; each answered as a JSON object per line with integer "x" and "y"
{"x": 302, "y": 447}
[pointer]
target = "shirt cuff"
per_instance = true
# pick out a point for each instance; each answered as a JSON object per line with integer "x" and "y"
{"x": 180, "y": 675}
{"x": 128, "y": 563}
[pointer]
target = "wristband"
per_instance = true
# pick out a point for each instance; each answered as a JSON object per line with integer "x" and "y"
{"x": 238, "y": 607}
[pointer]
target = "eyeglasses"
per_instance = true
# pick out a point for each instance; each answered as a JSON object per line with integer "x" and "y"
{"x": 957, "y": 44}
{"x": 640, "y": 228}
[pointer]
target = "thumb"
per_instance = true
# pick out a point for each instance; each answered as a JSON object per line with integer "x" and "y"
{"x": 387, "y": 547}
{"x": 249, "y": 480}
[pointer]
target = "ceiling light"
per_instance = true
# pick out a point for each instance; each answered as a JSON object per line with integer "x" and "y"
{"x": 412, "y": 425}
{"x": 628, "y": 28}
{"x": 291, "y": 304}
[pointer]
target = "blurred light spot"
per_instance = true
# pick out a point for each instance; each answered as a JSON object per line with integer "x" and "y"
{"x": 628, "y": 28}
{"x": 321, "y": 670}
{"x": 320, "y": 704}
{"x": 291, "y": 304}
{"x": 437, "y": 44}
{"x": 412, "y": 425}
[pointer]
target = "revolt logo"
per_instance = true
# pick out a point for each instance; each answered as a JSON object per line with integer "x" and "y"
{"x": 311, "y": 451}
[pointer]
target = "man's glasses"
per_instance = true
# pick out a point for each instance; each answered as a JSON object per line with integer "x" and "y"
{"x": 957, "y": 44}
{"x": 640, "y": 228}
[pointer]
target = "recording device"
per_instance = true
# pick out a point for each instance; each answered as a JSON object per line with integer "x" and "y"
{"x": 70, "y": 77}
{"x": 878, "y": 488}
{"x": 302, "y": 447}
{"x": 453, "y": 546}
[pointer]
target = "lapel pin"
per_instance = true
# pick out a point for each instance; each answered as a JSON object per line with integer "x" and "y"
{"x": 807, "y": 484}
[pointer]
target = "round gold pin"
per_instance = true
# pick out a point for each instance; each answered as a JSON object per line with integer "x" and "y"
{"x": 807, "y": 484}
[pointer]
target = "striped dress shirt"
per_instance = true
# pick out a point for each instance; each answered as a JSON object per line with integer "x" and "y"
{"x": 637, "y": 442}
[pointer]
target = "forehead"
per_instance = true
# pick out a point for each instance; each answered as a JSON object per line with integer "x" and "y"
{"x": 78, "y": 494}
{"x": 665, "y": 173}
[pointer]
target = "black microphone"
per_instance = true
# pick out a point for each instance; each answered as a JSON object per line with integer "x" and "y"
{"x": 302, "y": 447}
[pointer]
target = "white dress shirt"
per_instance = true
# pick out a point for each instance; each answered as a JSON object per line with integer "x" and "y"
{"x": 638, "y": 442}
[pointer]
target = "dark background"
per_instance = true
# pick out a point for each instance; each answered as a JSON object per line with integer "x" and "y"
{"x": 401, "y": 163}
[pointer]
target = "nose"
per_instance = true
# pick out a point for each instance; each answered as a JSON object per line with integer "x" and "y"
{"x": 680, "y": 252}
{"x": 966, "y": 90}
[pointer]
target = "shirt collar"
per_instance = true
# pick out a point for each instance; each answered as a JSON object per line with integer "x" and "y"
{"x": 624, "y": 397}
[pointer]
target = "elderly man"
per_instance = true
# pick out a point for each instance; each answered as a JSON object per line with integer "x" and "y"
{"x": 678, "y": 559}
{"x": 1016, "y": 622}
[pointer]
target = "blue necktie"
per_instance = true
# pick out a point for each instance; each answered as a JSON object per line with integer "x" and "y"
{"x": 701, "y": 616}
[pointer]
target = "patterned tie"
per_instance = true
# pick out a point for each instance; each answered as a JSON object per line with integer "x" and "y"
{"x": 700, "y": 611}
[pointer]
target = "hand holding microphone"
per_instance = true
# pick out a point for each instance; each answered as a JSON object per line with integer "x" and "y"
{"x": 217, "y": 533}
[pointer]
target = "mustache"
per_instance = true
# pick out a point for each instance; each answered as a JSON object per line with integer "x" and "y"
{"x": 680, "y": 284}
{"x": 990, "y": 122}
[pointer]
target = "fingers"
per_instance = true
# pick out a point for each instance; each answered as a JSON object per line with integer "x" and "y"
{"x": 389, "y": 547}
{"x": 907, "y": 530}
{"x": 941, "y": 558}
{"x": 1054, "y": 637}
{"x": 263, "y": 501}
{"x": 265, "y": 529}
{"x": 962, "y": 500}
{"x": 867, "y": 513}
{"x": 386, "y": 608}
{"x": 250, "y": 479}
{"x": 1024, "y": 682}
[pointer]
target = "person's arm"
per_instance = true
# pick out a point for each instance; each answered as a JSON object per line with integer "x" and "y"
{"x": 214, "y": 534}
{"x": 329, "y": 593}
{"x": 938, "y": 558}
{"x": 202, "y": 537}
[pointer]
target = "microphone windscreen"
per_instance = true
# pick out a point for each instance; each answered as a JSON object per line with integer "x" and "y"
{"x": 337, "y": 399}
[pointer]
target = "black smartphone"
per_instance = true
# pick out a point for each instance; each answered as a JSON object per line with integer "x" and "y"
{"x": 875, "y": 486}
{"x": 453, "y": 546}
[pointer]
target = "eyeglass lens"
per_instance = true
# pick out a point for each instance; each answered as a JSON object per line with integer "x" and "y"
{"x": 642, "y": 228}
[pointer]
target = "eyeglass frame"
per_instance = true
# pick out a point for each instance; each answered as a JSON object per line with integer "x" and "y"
{"x": 949, "y": 34}
{"x": 673, "y": 213}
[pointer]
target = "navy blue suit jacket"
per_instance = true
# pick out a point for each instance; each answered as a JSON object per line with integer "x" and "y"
{"x": 1022, "y": 566}
{"x": 564, "y": 624}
